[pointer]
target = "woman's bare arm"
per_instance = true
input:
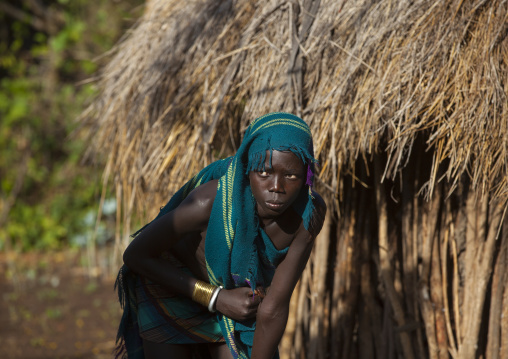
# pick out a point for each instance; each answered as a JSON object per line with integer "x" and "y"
{"x": 143, "y": 255}
{"x": 273, "y": 311}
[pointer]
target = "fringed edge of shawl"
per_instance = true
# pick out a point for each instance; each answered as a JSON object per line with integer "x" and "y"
{"x": 120, "y": 340}
{"x": 128, "y": 340}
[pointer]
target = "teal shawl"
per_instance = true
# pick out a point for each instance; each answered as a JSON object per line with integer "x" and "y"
{"x": 233, "y": 250}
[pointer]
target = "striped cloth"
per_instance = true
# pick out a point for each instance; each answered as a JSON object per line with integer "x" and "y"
{"x": 167, "y": 318}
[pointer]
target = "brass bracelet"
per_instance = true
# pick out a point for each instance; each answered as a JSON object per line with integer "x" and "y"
{"x": 203, "y": 292}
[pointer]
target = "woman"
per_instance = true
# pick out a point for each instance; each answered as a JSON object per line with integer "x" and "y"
{"x": 213, "y": 274}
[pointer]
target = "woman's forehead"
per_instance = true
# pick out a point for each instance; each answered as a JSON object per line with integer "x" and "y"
{"x": 284, "y": 159}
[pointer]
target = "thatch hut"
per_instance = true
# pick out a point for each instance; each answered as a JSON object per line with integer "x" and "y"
{"x": 408, "y": 105}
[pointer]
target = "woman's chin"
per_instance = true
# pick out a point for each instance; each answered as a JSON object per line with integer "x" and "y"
{"x": 271, "y": 212}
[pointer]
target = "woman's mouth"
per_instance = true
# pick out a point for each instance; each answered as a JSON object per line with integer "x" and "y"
{"x": 274, "y": 205}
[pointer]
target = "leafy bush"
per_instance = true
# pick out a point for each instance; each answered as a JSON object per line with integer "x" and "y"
{"x": 44, "y": 60}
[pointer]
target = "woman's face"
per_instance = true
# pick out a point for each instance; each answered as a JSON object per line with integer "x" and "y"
{"x": 277, "y": 187}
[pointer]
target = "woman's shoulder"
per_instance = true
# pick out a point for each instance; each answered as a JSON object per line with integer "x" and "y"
{"x": 205, "y": 193}
{"x": 199, "y": 201}
{"x": 193, "y": 213}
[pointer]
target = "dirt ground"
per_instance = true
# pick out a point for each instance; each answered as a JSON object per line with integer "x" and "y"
{"x": 49, "y": 308}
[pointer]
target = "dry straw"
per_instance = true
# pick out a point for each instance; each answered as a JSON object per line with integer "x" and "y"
{"x": 409, "y": 94}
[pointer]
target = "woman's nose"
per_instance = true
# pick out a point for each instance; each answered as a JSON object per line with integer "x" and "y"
{"x": 277, "y": 185}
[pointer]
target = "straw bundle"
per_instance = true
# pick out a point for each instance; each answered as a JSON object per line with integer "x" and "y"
{"x": 407, "y": 101}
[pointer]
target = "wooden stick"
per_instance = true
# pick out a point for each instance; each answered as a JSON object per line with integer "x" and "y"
{"x": 346, "y": 279}
{"x": 422, "y": 347}
{"x": 409, "y": 255}
{"x": 496, "y": 301}
{"x": 369, "y": 340}
{"x": 444, "y": 269}
{"x": 118, "y": 252}
{"x": 325, "y": 343}
{"x": 428, "y": 221}
{"x": 456, "y": 296}
{"x": 499, "y": 288}
{"x": 385, "y": 262}
{"x": 318, "y": 296}
{"x": 338, "y": 281}
{"x": 299, "y": 349}
{"x": 503, "y": 352}
{"x": 436, "y": 294}
{"x": 475, "y": 233}
{"x": 481, "y": 279}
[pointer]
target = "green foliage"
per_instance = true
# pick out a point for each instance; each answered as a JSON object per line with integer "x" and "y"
{"x": 41, "y": 164}
{"x": 53, "y": 313}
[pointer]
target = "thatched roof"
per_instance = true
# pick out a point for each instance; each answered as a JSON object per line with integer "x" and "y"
{"x": 368, "y": 76}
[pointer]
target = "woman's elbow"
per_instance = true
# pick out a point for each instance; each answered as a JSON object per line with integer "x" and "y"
{"x": 137, "y": 257}
{"x": 129, "y": 257}
{"x": 269, "y": 312}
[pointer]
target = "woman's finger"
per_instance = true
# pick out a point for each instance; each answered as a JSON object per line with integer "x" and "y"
{"x": 254, "y": 301}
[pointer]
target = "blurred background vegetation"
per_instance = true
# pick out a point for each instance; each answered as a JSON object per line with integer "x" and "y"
{"x": 49, "y": 53}
{"x": 57, "y": 300}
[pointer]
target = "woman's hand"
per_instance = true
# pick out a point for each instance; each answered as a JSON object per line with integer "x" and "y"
{"x": 238, "y": 304}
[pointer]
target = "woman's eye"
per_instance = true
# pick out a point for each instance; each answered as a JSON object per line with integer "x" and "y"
{"x": 291, "y": 176}
{"x": 263, "y": 173}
